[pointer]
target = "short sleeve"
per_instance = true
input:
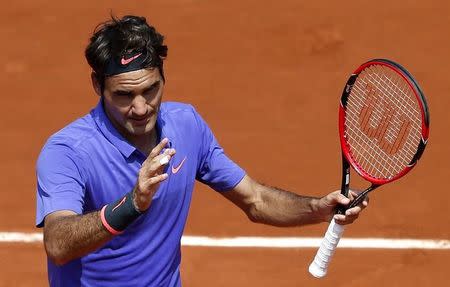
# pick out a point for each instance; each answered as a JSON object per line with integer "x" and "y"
{"x": 60, "y": 184}
{"x": 215, "y": 169}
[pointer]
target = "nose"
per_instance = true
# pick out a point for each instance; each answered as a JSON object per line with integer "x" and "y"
{"x": 139, "y": 106}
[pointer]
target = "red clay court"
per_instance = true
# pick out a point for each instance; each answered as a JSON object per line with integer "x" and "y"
{"x": 267, "y": 76}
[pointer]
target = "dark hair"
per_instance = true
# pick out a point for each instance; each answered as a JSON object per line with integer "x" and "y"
{"x": 118, "y": 37}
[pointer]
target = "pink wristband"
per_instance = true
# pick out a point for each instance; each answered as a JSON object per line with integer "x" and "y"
{"x": 105, "y": 223}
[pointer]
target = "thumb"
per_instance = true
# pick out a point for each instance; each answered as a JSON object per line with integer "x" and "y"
{"x": 338, "y": 198}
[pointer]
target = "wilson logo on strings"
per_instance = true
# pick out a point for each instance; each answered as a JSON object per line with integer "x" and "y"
{"x": 389, "y": 119}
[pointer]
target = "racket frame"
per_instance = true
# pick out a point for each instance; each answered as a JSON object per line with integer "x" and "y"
{"x": 425, "y": 119}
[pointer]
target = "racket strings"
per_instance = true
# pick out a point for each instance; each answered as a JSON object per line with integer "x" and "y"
{"x": 373, "y": 160}
{"x": 390, "y": 133}
{"x": 377, "y": 118}
{"x": 383, "y": 122}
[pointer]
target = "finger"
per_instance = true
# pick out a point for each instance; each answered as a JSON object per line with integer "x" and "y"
{"x": 342, "y": 199}
{"x": 336, "y": 197}
{"x": 151, "y": 182}
{"x": 158, "y": 163}
{"x": 157, "y": 179}
{"x": 158, "y": 148}
{"x": 350, "y": 215}
{"x": 345, "y": 219}
{"x": 355, "y": 192}
{"x": 366, "y": 200}
{"x": 155, "y": 165}
{"x": 166, "y": 156}
{"x": 340, "y": 219}
{"x": 164, "y": 160}
{"x": 353, "y": 211}
{"x": 362, "y": 202}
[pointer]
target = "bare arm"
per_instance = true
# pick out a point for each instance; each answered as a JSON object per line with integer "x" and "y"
{"x": 269, "y": 205}
{"x": 68, "y": 236}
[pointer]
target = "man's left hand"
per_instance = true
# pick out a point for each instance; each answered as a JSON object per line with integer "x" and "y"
{"x": 328, "y": 204}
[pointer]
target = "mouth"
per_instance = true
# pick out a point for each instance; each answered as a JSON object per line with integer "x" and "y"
{"x": 140, "y": 121}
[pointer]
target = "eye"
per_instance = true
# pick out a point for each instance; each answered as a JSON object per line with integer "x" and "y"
{"x": 152, "y": 88}
{"x": 123, "y": 93}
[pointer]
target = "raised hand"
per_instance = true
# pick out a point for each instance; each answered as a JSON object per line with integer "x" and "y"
{"x": 151, "y": 175}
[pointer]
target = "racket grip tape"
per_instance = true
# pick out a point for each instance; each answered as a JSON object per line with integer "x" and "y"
{"x": 318, "y": 268}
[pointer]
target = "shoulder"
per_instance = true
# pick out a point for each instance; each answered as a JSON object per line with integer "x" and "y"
{"x": 179, "y": 113}
{"x": 71, "y": 137}
{"x": 171, "y": 108}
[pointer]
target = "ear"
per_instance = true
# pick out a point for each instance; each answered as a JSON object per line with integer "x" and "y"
{"x": 96, "y": 84}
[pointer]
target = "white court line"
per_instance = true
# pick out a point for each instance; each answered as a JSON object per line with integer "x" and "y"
{"x": 271, "y": 242}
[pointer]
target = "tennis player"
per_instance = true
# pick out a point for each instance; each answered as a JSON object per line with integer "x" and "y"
{"x": 114, "y": 187}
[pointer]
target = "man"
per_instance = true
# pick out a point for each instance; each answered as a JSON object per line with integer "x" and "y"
{"x": 114, "y": 187}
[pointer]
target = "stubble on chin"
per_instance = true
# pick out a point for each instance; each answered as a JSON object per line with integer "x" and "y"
{"x": 140, "y": 130}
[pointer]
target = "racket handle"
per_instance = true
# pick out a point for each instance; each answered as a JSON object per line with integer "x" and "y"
{"x": 319, "y": 266}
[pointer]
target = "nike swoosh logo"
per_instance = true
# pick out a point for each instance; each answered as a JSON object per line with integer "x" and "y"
{"x": 124, "y": 61}
{"x": 120, "y": 203}
{"x": 177, "y": 168}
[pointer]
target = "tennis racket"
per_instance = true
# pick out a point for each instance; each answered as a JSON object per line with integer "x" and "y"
{"x": 383, "y": 129}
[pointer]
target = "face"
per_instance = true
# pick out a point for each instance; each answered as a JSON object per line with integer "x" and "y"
{"x": 132, "y": 101}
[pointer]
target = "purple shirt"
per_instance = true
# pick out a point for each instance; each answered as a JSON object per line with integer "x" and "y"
{"x": 89, "y": 164}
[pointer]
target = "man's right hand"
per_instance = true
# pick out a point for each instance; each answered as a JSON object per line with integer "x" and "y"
{"x": 151, "y": 175}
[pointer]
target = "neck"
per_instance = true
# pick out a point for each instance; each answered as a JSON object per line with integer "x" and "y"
{"x": 145, "y": 143}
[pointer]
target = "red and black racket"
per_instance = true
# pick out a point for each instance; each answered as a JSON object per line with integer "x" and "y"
{"x": 383, "y": 129}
